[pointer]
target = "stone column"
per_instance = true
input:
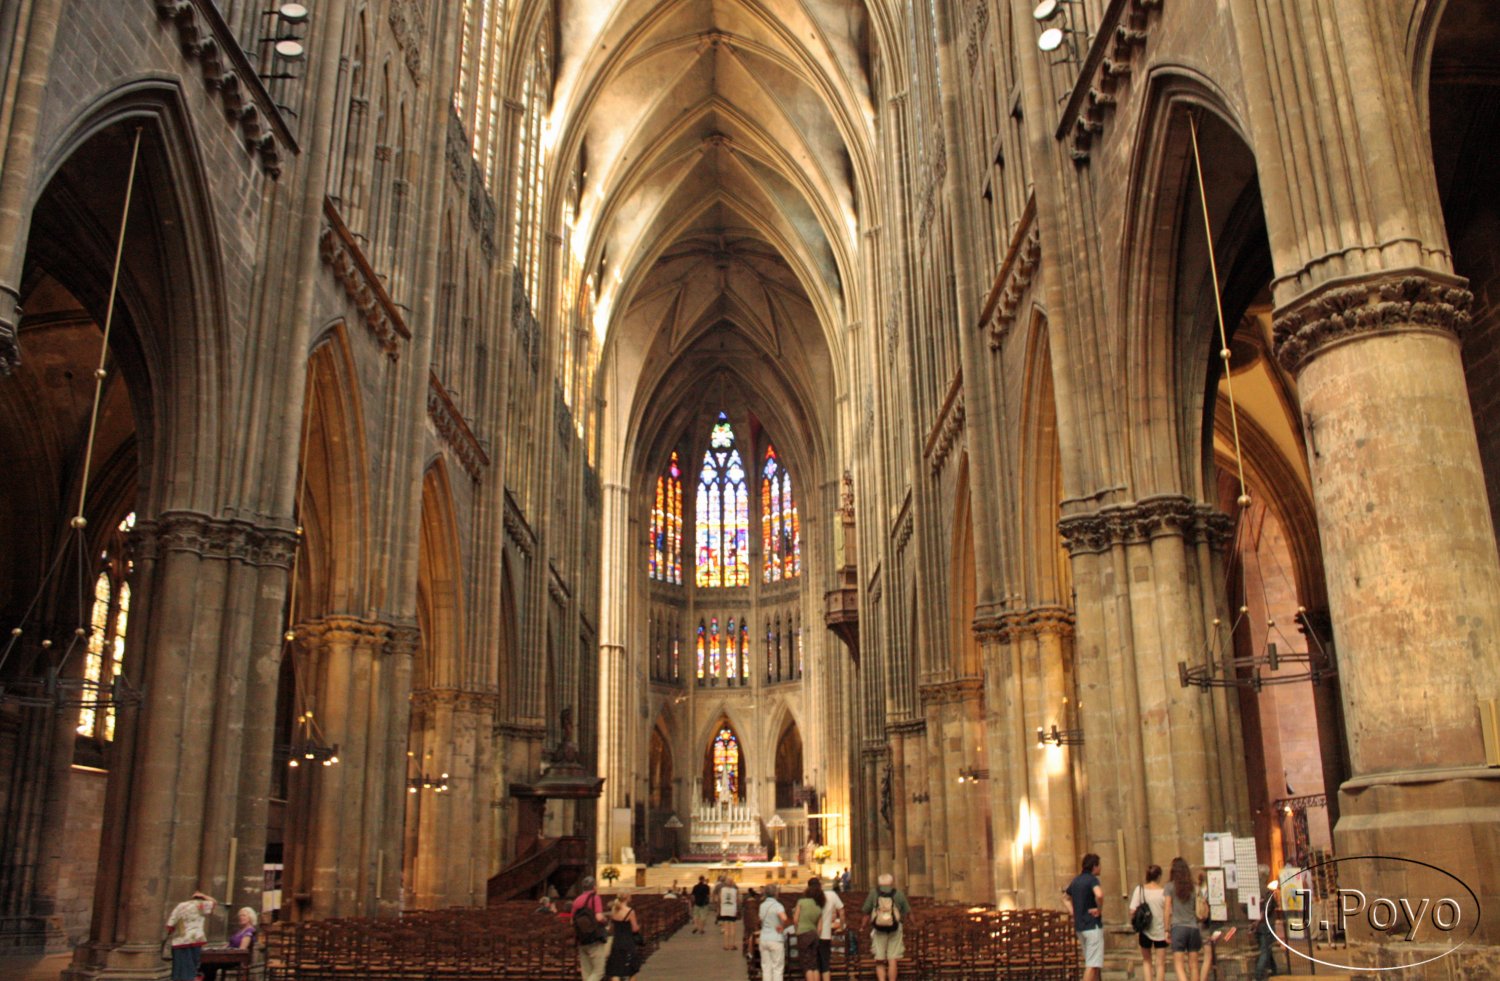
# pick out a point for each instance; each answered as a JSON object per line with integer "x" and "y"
{"x": 909, "y": 740}
{"x": 1028, "y": 656}
{"x": 1140, "y": 591}
{"x": 344, "y": 814}
{"x": 1367, "y": 316}
{"x": 1409, "y": 548}
{"x": 20, "y": 114}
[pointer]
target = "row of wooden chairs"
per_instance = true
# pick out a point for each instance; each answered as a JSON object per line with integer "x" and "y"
{"x": 950, "y": 942}
{"x": 503, "y": 942}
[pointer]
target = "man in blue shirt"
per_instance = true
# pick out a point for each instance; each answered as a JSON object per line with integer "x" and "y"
{"x": 1085, "y": 897}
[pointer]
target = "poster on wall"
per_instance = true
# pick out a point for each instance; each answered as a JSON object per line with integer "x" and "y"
{"x": 1211, "y": 859}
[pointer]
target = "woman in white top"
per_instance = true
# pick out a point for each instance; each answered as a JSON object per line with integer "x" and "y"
{"x": 831, "y": 920}
{"x": 729, "y": 911}
{"x": 1154, "y": 940}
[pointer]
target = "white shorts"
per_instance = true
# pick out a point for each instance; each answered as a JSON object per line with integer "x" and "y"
{"x": 1093, "y": 946}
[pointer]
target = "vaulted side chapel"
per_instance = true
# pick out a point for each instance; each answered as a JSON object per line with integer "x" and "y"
{"x": 453, "y": 449}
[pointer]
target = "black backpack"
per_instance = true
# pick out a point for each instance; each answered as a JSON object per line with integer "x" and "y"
{"x": 587, "y": 929}
{"x": 1140, "y": 917}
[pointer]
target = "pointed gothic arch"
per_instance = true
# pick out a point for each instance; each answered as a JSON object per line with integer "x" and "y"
{"x": 789, "y": 765}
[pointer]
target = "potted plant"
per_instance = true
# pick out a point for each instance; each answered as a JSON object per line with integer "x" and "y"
{"x": 609, "y": 874}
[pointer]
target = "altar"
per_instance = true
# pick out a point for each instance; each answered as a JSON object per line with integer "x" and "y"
{"x": 725, "y": 831}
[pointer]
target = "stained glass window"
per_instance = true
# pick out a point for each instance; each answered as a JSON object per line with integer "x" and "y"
{"x": 676, "y": 651}
{"x": 665, "y": 546}
{"x": 723, "y": 512}
{"x": 745, "y": 653}
{"x": 702, "y": 650}
{"x": 104, "y": 653}
{"x": 726, "y": 750}
{"x": 731, "y": 636}
{"x": 780, "y": 529}
{"x": 714, "y": 650}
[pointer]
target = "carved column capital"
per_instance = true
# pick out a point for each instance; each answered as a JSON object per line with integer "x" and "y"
{"x": 1002, "y": 628}
{"x": 403, "y": 639}
{"x": 1144, "y": 520}
{"x": 946, "y": 692}
{"x": 340, "y": 628}
{"x": 213, "y": 538}
{"x": 1390, "y": 301}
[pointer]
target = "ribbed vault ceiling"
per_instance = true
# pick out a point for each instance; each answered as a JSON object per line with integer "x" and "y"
{"x": 722, "y": 142}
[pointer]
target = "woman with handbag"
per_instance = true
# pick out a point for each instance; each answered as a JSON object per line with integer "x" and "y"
{"x": 1148, "y": 918}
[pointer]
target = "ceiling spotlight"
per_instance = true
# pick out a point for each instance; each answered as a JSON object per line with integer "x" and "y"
{"x": 292, "y": 49}
{"x": 292, "y": 13}
{"x": 1050, "y": 40}
{"x": 1047, "y": 9}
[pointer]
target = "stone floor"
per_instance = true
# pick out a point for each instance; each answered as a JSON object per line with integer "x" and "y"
{"x": 33, "y": 968}
{"x": 690, "y": 956}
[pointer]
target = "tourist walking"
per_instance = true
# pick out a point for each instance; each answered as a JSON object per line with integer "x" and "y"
{"x": 729, "y": 910}
{"x": 625, "y": 929}
{"x": 809, "y": 919}
{"x": 1153, "y": 939}
{"x": 185, "y": 930}
{"x": 1182, "y": 920}
{"x": 590, "y": 931}
{"x": 700, "y": 905}
{"x": 831, "y": 920}
{"x": 888, "y": 913}
{"x": 1085, "y": 900}
{"x": 772, "y": 935}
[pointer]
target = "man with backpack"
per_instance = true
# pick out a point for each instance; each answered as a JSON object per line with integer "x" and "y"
{"x": 590, "y": 930}
{"x": 888, "y": 913}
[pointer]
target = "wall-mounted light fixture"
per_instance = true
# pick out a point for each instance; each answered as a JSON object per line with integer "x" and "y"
{"x": 1060, "y": 32}
{"x": 969, "y": 774}
{"x": 287, "y": 47}
{"x": 1058, "y": 737}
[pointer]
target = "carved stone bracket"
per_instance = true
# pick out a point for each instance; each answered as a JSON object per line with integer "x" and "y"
{"x": 206, "y": 38}
{"x": 409, "y": 25}
{"x": 948, "y": 429}
{"x": 949, "y": 692}
{"x": 516, "y": 528}
{"x": 1386, "y": 302}
{"x": 213, "y": 538}
{"x": 1121, "y": 35}
{"x": 352, "y": 269}
{"x": 454, "y": 428}
{"x": 556, "y": 588}
{"x": 1002, "y": 628}
{"x": 1144, "y": 520}
{"x": 1014, "y": 279}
